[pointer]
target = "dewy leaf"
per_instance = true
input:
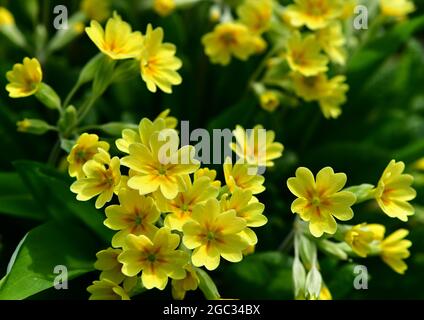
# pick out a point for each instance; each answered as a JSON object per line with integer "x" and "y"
{"x": 44, "y": 248}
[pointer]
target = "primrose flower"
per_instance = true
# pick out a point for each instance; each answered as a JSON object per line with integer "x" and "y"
{"x": 157, "y": 258}
{"x": 161, "y": 166}
{"x": 84, "y": 149}
{"x": 243, "y": 176}
{"x": 362, "y": 236}
{"x": 257, "y": 146}
{"x": 158, "y": 63}
{"x": 269, "y": 100}
{"x": 102, "y": 178}
{"x": 315, "y": 14}
{"x": 170, "y": 122}
{"x": 330, "y": 104}
{"x": 229, "y": 39}
{"x": 24, "y": 79}
{"x": 394, "y": 249}
{"x": 256, "y": 15}
{"x": 206, "y": 172}
{"x": 394, "y": 191}
{"x": 397, "y": 8}
{"x": 304, "y": 55}
{"x": 6, "y": 17}
{"x": 98, "y": 10}
{"x": 332, "y": 41}
{"x": 181, "y": 206}
{"x": 190, "y": 282}
{"x": 214, "y": 234}
{"x": 117, "y": 40}
{"x": 136, "y": 214}
{"x": 164, "y": 7}
{"x": 107, "y": 262}
{"x": 320, "y": 200}
{"x": 107, "y": 290}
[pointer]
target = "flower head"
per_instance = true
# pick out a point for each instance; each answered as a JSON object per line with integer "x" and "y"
{"x": 394, "y": 191}
{"x": 102, "y": 178}
{"x": 257, "y": 146}
{"x": 157, "y": 258}
{"x": 117, "y": 40}
{"x": 24, "y": 79}
{"x": 158, "y": 63}
{"x": 315, "y": 14}
{"x": 229, "y": 39}
{"x": 320, "y": 200}
{"x": 332, "y": 41}
{"x": 136, "y": 214}
{"x": 107, "y": 290}
{"x": 243, "y": 176}
{"x": 98, "y": 10}
{"x": 206, "y": 172}
{"x": 214, "y": 234}
{"x": 6, "y": 17}
{"x": 304, "y": 55}
{"x": 84, "y": 149}
{"x": 170, "y": 122}
{"x": 256, "y": 15}
{"x": 397, "y": 8}
{"x": 269, "y": 100}
{"x": 362, "y": 236}
{"x": 394, "y": 249}
{"x": 190, "y": 282}
{"x": 107, "y": 262}
{"x": 164, "y": 7}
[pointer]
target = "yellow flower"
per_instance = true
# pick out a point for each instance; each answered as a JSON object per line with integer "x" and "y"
{"x": 330, "y": 104}
{"x": 135, "y": 214}
{"x": 102, "y": 177}
{"x": 304, "y": 55}
{"x": 164, "y": 7}
{"x": 84, "y": 149}
{"x": 214, "y": 234}
{"x": 243, "y": 176}
{"x": 190, "y": 282}
{"x": 394, "y": 191}
{"x": 206, "y": 172}
{"x": 158, "y": 63}
{"x": 348, "y": 8}
{"x": 332, "y": 41}
{"x": 157, "y": 258}
{"x": 24, "y": 79}
{"x": 107, "y": 262}
{"x": 98, "y": 10}
{"x": 362, "y": 236}
{"x": 161, "y": 166}
{"x": 257, "y": 146}
{"x": 117, "y": 40}
{"x": 6, "y": 17}
{"x": 170, "y": 122}
{"x": 229, "y": 39}
{"x": 256, "y": 15}
{"x": 248, "y": 208}
{"x": 397, "y": 8}
{"x": 325, "y": 293}
{"x": 181, "y": 206}
{"x": 269, "y": 100}
{"x": 107, "y": 290}
{"x": 315, "y": 14}
{"x": 320, "y": 200}
{"x": 394, "y": 249}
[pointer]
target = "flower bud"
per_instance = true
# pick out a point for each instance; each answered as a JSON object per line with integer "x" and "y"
{"x": 313, "y": 283}
{"x": 68, "y": 119}
{"x": 47, "y": 96}
{"x": 34, "y": 126}
{"x": 299, "y": 278}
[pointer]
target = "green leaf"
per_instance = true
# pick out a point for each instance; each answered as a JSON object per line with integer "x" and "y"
{"x": 44, "y": 248}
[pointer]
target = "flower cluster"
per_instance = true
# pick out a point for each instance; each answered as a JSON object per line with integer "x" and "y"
{"x": 171, "y": 217}
{"x": 322, "y": 198}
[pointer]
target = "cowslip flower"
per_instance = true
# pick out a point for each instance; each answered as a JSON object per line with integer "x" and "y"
{"x": 304, "y": 55}
{"x": 256, "y": 146}
{"x": 214, "y": 234}
{"x": 162, "y": 166}
{"x": 98, "y": 10}
{"x": 320, "y": 200}
{"x": 243, "y": 176}
{"x": 248, "y": 208}
{"x": 158, "y": 63}
{"x": 107, "y": 290}
{"x": 211, "y": 174}
{"x": 102, "y": 179}
{"x": 181, "y": 207}
{"x": 85, "y": 148}
{"x": 190, "y": 282}
{"x": 157, "y": 258}
{"x": 269, "y": 100}
{"x": 363, "y": 236}
{"x": 24, "y": 79}
{"x": 332, "y": 41}
{"x": 117, "y": 40}
{"x": 136, "y": 214}
{"x": 107, "y": 262}
{"x": 315, "y": 14}
{"x": 6, "y": 17}
{"x": 256, "y": 15}
{"x": 397, "y": 8}
{"x": 170, "y": 122}
{"x": 394, "y": 249}
{"x": 394, "y": 191}
{"x": 164, "y": 7}
{"x": 336, "y": 96}
{"x": 229, "y": 39}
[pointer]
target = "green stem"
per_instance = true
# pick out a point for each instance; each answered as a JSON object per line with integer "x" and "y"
{"x": 71, "y": 94}
{"x": 54, "y": 154}
{"x": 260, "y": 68}
{"x": 85, "y": 109}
